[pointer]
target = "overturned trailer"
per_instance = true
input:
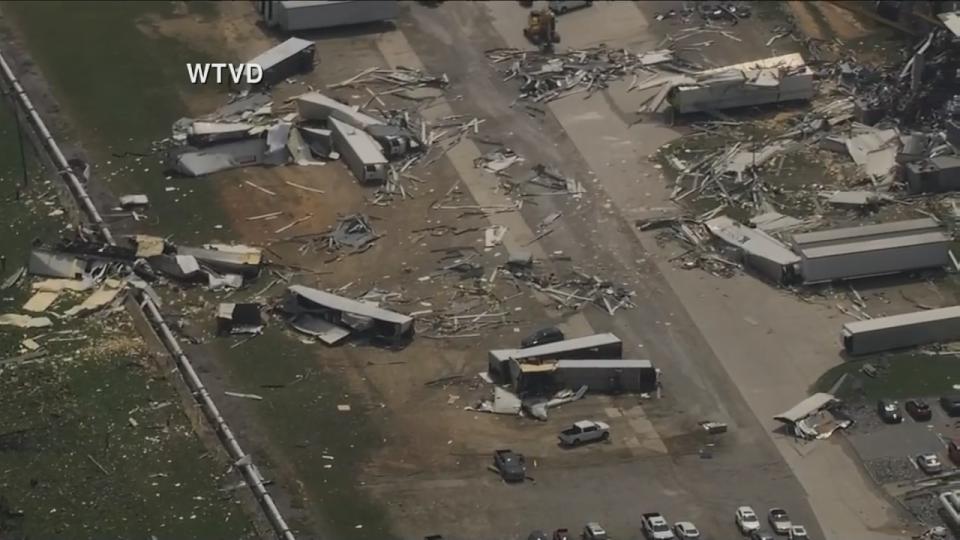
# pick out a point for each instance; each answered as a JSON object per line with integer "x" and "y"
{"x": 758, "y": 250}
{"x": 872, "y": 250}
{"x": 292, "y": 57}
{"x": 598, "y": 346}
{"x": 343, "y": 313}
{"x": 360, "y": 152}
{"x": 758, "y": 82}
{"x": 899, "y": 331}
{"x": 316, "y": 106}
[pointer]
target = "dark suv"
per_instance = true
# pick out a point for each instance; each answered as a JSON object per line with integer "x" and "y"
{"x": 918, "y": 410}
{"x": 889, "y": 411}
{"x": 951, "y": 405}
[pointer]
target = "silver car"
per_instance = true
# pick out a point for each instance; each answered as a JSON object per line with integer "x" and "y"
{"x": 779, "y": 520}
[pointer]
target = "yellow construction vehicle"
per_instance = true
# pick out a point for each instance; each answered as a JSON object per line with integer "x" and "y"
{"x": 542, "y": 29}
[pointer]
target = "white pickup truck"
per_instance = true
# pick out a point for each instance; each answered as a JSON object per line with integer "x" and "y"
{"x": 583, "y": 432}
{"x": 655, "y": 527}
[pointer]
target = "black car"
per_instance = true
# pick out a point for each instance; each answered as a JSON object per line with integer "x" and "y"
{"x": 889, "y": 411}
{"x": 542, "y": 337}
{"x": 538, "y": 535}
{"x": 951, "y": 405}
{"x": 918, "y": 410}
{"x": 511, "y": 465}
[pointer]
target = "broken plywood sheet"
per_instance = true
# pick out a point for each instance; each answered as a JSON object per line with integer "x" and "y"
{"x": 97, "y": 300}
{"x": 40, "y": 301}
{"x": 148, "y": 246}
{"x": 24, "y": 321}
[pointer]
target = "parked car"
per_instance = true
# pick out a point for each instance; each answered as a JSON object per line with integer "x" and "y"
{"x": 685, "y": 529}
{"x": 562, "y": 534}
{"x": 951, "y": 405}
{"x": 562, "y": 6}
{"x": 761, "y": 535}
{"x": 655, "y": 527}
{"x": 593, "y": 531}
{"x": 779, "y": 520}
{"x": 538, "y": 535}
{"x": 929, "y": 463}
{"x": 798, "y": 532}
{"x": 953, "y": 450}
{"x": 918, "y": 410}
{"x": 583, "y": 432}
{"x": 542, "y": 337}
{"x": 746, "y": 520}
{"x": 889, "y": 411}
{"x": 511, "y": 465}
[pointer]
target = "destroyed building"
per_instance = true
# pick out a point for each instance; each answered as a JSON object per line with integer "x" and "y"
{"x": 816, "y": 417}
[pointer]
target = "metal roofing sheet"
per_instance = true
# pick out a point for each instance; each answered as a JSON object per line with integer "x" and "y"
{"x": 805, "y": 408}
{"x": 905, "y": 319}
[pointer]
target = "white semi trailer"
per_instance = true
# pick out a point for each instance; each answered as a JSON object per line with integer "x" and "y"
{"x": 297, "y": 15}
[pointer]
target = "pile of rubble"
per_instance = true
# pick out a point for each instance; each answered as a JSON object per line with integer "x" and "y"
{"x": 545, "y": 77}
{"x": 376, "y": 143}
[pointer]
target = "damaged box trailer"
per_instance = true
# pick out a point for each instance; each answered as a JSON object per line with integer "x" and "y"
{"x": 360, "y": 152}
{"x": 598, "y": 346}
{"x": 345, "y": 312}
{"x": 292, "y": 57}
{"x": 899, "y": 331}
{"x": 608, "y": 375}
{"x": 757, "y": 249}
{"x": 872, "y": 250}
{"x": 771, "y": 80}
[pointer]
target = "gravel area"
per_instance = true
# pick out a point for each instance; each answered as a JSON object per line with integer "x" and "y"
{"x": 893, "y": 469}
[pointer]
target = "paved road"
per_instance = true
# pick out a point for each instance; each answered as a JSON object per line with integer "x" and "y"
{"x": 703, "y": 332}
